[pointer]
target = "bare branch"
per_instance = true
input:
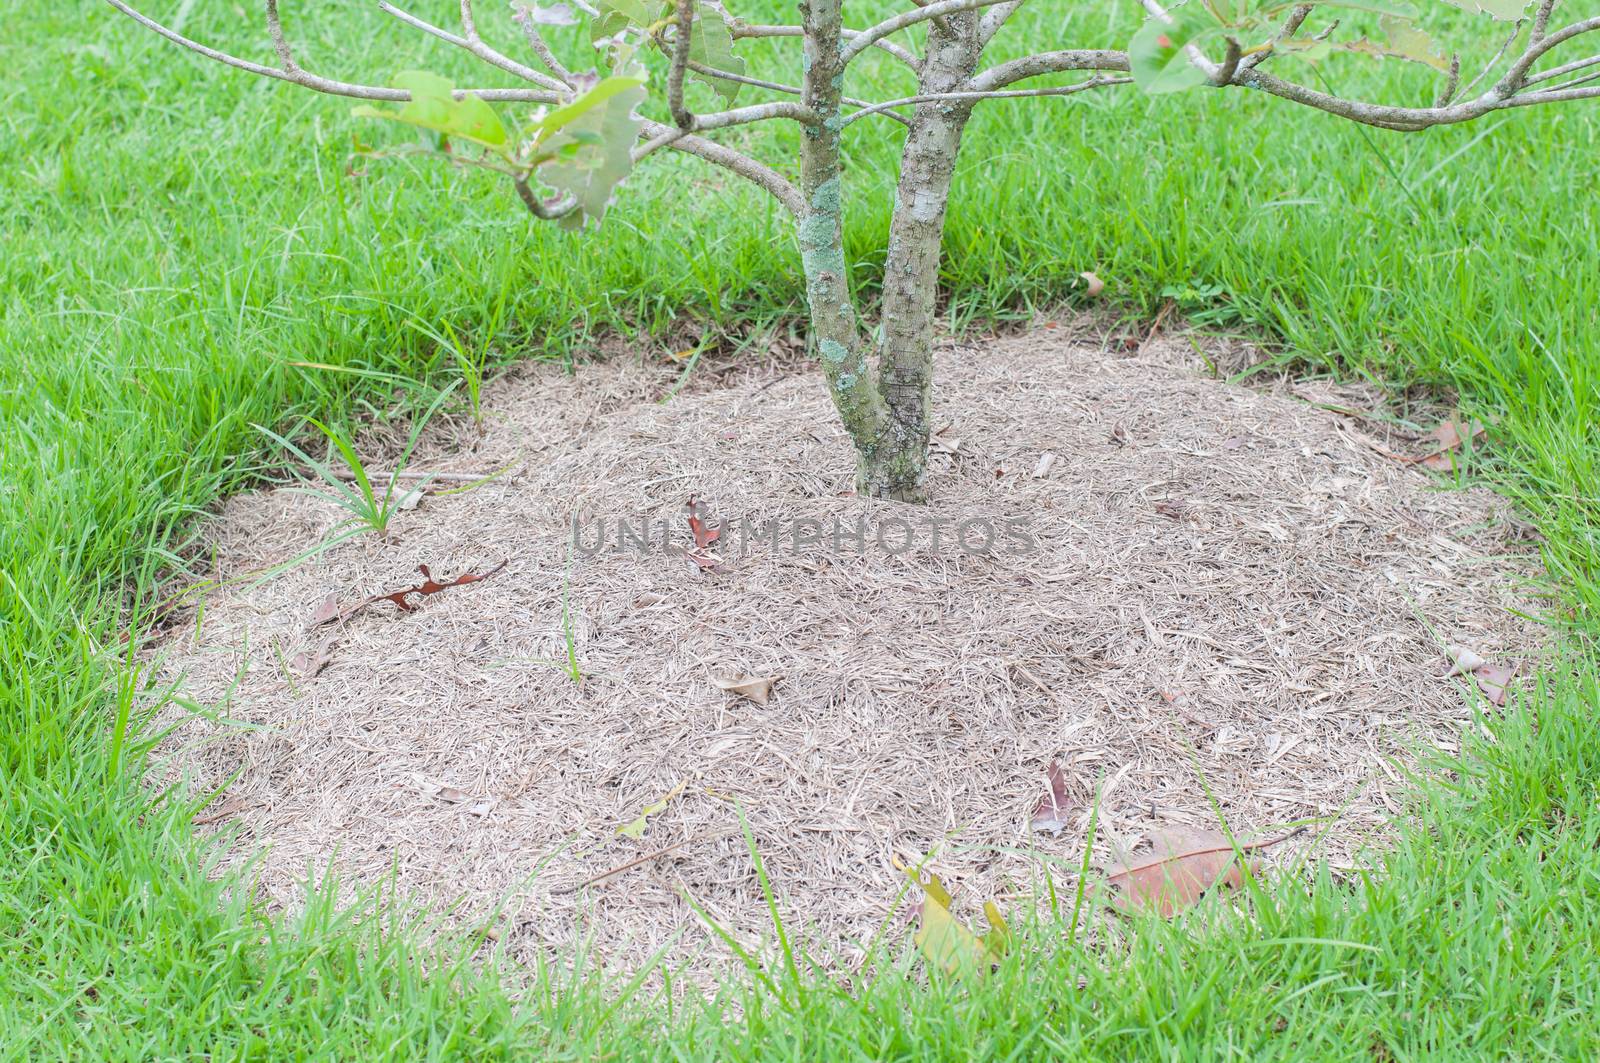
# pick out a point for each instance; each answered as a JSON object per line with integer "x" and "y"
{"x": 536, "y": 44}
{"x": 1011, "y": 94}
{"x": 760, "y": 174}
{"x": 1536, "y": 50}
{"x": 778, "y": 86}
{"x": 758, "y": 112}
{"x": 1560, "y": 71}
{"x": 742, "y": 31}
{"x": 471, "y": 42}
{"x": 1047, "y": 63}
{"x": 680, "y": 66}
{"x": 1488, "y": 67}
{"x": 860, "y": 42}
{"x": 1452, "y": 80}
{"x": 280, "y": 43}
{"x": 540, "y": 209}
{"x": 1541, "y": 20}
{"x": 996, "y": 17}
{"x": 1230, "y": 65}
{"x": 1291, "y": 26}
{"x": 300, "y": 76}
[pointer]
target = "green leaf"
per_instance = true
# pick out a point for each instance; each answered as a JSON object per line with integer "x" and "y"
{"x": 1502, "y": 10}
{"x": 603, "y": 92}
{"x": 614, "y": 16}
{"x": 711, "y": 44}
{"x": 1157, "y": 55}
{"x": 588, "y": 144}
{"x": 432, "y": 106}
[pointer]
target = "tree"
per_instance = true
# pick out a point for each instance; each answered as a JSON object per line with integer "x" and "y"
{"x": 567, "y": 157}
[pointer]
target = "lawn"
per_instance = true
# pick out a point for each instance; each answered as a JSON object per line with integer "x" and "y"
{"x": 178, "y": 236}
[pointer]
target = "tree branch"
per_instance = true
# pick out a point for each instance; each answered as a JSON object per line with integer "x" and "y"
{"x": 298, "y": 75}
{"x": 998, "y": 77}
{"x": 538, "y": 207}
{"x": 680, "y": 66}
{"x": 776, "y": 86}
{"x": 763, "y": 176}
{"x": 1536, "y": 49}
{"x": 860, "y": 42}
{"x": 742, "y": 31}
{"x": 996, "y": 17}
{"x": 1559, "y": 71}
{"x": 1291, "y": 26}
{"x": 936, "y": 97}
{"x": 537, "y": 45}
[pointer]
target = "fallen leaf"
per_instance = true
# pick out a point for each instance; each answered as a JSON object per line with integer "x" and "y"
{"x": 636, "y": 828}
{"x": 647, "y": 599}
{"x": 1119, "y": 434}
{"x": 410, "y": 500}
{"x": 1051, "y": 815}
{"x": 946, "y": 941}
{"x": 1170, "y": 508}
{"x": 703, "y": 536}
{"x": 1462, "y": 660}
{"x": 1447, "y": 439}
{"x": 450, "y": 795}
{"x": 1493, "y": 680}
{"x": 1041, "y": 470}
{"x": 310, "y": 661}
{"x": 1183, "y": 866}
{"x": 757, "y": 690}
{"x": 943, "y": 445}
{"x": 1093, "y": 285}
{"x": 328, "y": 611}
{"x": 231, "y": 806}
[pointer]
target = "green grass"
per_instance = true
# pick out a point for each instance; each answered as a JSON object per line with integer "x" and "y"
{"x": 177, "y": 236}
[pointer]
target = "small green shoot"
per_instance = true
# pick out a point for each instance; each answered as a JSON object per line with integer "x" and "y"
{"x": 357, "y": 495}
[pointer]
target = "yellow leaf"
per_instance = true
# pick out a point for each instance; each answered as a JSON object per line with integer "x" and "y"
{"x": 946, "y": 941}
{"x": 636, "y": 828}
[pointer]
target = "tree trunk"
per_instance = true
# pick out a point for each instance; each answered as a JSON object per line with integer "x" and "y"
{"x": 834, "y": 328}
{"x": 911, "y": 275}
{"x": 886, "y": 414}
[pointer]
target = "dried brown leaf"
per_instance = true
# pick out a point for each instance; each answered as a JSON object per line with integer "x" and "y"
{"x": 310, "y": 661}
{"x": 328, "y": 611}
{"x": 1051, "y": 814}
{"x": 1493, "y": 680}
{"x": 755, "y": 689}
{"x": 1183, "y": 866}
{"x": 704, "y": 535}
{"x": 1448, "y": 438}
{"x": 1092, "y": 285}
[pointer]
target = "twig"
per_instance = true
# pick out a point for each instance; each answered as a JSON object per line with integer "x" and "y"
{"x": 636, "y": 861}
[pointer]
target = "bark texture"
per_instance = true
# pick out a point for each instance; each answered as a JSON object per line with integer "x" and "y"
{"x": 911, "y": 270}
{"x": 835, "y": 329}
{"x": 887, "y": 412}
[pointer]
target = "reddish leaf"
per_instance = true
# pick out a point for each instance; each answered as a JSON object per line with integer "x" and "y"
{"x": 1448, "y": 438}
{"x": 1184, "y": 865}
{"x": 703, "y": 536}
{"x": 1493, "y": 680}
{"x": 328, "y": 610}
{"x": 1051, "y": 815}
{"x": 427, "y": 587}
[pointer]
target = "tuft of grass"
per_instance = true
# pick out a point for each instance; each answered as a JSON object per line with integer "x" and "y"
{"x": 368, "y": 509}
